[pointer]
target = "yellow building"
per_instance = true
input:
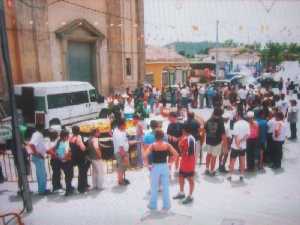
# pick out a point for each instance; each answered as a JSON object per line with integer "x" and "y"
{"x": 164, "y": 67}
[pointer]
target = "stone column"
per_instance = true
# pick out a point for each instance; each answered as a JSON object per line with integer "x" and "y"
{"x": 114, "y": 44}
{"x": 140, "y": 40}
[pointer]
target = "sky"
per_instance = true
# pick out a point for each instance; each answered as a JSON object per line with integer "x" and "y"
{"x": 245, "y": 21}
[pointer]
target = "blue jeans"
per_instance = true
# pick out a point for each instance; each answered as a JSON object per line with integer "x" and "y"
{"x": 40, "y": 173}
{"x": 139, "y": 152}
{"x": 160, "y": 172}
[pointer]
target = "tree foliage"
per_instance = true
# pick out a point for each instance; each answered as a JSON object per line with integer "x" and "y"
{"x": 274, "y": 53}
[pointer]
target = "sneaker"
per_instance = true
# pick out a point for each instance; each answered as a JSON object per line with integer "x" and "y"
{"x": 207, "y": 172}
{"x": 222, "y": 169}
{"x": 188, "y": 200}
{"x": 126, "y": 181}
{"x": 123, "y": 183}
{"x": 242, "y": 178}
{"x": 69, "y": 192}
{"x": 179, "y": 196}
{"x": 213, "y": 174}
{"x": 150, "y": 208}
{"x": 46, "y": 192}
{"x": 165, "y": 210}
{"x": 2, "y": 180}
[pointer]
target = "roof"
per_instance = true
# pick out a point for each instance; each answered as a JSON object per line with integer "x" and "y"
{"x": 228, "y": 50}
{"x": 246, "y": 55}
{"x": 53, "y": 84}
{"x": 160, "y": 54}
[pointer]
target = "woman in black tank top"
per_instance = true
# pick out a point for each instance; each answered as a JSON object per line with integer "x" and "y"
{"x": 162, "y": 154}
{"x": 79, "y": 159}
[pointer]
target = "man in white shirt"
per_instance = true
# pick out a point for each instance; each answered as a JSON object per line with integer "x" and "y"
{"x": 240, "y": 134}
{"x": 242, "y": 92}
{"x": 202, "y": 91}
{"x": 224, "y": 154}
{"x": 283, "y": 104}
{"x": 121, "y": 148}
{"x": 38, "y": 151}
{"x": 279, "y": 133}
{"x": 184, "y": 97}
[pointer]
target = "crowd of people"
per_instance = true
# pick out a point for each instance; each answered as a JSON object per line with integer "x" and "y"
{"x": 247, "y": 123}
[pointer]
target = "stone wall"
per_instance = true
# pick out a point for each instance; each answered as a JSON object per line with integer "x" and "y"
{"x": 37, "y": 53}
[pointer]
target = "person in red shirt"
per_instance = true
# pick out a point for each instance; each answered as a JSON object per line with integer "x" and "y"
{"x": 252, "y": 150}
{"x": 187, "y": 146}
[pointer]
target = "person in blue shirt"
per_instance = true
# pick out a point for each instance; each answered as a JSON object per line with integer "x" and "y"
{"x": 210, "y": 92}
{"x": 149, "y": 138}
{"x": 63, "y": 153}
{"x": 263, "y": 129}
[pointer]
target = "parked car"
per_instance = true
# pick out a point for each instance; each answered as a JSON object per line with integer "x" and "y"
{"x": 58, "y": 103}
{"x": 220, "y": 83}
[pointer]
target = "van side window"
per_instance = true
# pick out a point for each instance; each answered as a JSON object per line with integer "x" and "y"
{"x": 39, "y": 103}
{"x": 79, "y": 97}
{"x": 57, "y": 101}
{"x": 93, "y": 95}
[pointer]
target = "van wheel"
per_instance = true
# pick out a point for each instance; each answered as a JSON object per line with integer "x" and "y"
{"x": 54, "y": 122}
{"x": 104, "y": 113}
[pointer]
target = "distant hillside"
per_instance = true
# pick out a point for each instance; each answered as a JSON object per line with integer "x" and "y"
{"x": 189, "y": 49}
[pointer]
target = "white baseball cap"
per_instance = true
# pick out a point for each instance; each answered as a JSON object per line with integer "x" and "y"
{"x": 226, "y": 115}
{"x": 250, "y": 114}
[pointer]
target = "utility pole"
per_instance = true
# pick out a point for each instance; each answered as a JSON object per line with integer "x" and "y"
{"x": 25, "y": 192}
{"x": 217, "y": 49}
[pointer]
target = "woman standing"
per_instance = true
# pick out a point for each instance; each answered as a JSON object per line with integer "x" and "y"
{"x": 79, "y": 158}
{"x": 160, "y": 151}
{"x": 95, "y": 156}
{"x": 63, "y": 153}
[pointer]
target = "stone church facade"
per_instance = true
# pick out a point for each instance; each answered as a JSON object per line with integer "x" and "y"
{"x": 101, "y": 41}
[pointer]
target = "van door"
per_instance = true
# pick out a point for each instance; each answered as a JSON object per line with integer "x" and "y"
{"x": 81, "y": 107}
{"x": 59, "y": 108}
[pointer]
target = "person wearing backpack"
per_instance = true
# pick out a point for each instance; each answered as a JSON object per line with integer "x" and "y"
{"x": 215, "y": 139}
{"x": 63, "y": 153}
{"x": 252, "y": 149}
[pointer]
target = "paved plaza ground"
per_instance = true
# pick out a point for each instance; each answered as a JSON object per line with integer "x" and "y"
{"x": 265, "y": 198}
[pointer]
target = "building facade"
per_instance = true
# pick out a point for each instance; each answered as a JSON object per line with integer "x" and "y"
{"x": 101, "y": 41}
{"x": 164, "y": 67}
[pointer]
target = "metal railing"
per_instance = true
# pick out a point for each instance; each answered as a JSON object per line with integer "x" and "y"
{"x": 10, "y": 171}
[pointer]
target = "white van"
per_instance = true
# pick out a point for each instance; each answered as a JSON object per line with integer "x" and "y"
{"x": 52, "y": 103}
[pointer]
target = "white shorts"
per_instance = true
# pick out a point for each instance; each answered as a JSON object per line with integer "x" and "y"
{"x": 214, "y": 150}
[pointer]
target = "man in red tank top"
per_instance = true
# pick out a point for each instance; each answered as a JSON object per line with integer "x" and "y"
{"x": 187, "y": 146}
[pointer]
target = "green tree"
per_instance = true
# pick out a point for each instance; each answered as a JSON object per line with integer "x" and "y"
{"x": 182, "y": 52}
{"x": 229, "y": 44}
